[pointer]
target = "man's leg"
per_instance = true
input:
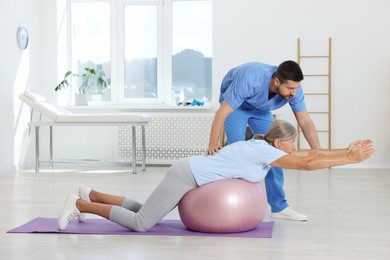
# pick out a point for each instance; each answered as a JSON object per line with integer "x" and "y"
{"x": 274, "y": 182}
{"x": 235, "y": 126}
{"x": 260, "y": 123}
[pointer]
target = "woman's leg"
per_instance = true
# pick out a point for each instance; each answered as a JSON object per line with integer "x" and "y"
{"x": 115, "y": 200}
{"x": 177, "y": 182}
{"x": 104, "y": 198}
{"x": 99, "y": 209}
{"x": 101, "y": 203}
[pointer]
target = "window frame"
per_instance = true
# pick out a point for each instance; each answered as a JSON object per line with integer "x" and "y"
{"x": 117, "y": 52}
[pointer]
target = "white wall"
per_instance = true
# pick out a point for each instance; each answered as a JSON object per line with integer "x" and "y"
{"x": 245, "y": 30}
{"x": 18, "y": 70}
{"x": 33, "y": 68}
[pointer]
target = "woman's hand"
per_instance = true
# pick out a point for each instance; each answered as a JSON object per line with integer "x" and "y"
{"x": 360, "y": 150}
{"x": 358, "y": 143}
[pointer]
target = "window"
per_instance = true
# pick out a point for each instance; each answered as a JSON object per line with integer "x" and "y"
{"x": 150, "y": 51}
{"x": 191, "y": 49}
{"x": 140, "y": 77}
{"x": 90, "y": 43}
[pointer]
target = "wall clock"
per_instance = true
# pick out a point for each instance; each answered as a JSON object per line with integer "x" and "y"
{"x": 22, "y": 37}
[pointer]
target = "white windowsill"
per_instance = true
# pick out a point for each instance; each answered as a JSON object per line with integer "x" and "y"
{"x": 141, "y": 108}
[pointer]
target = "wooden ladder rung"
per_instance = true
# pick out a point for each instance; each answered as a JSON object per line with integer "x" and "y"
{"x": 316, "y": 94}
{"x": 316, "y": 75}
{"x": 318, "y": 131}
{"x": 313, "y": 56}
{"x": 319, "y": 112}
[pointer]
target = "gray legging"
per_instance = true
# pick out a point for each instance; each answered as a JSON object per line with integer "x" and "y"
{"x": 137, "y": 217}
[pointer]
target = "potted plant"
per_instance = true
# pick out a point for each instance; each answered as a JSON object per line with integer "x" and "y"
{"x": 84, "y": 82}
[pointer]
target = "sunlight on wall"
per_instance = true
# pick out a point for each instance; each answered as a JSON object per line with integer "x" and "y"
{"x": 62, "y": 46}
{"x": 20, "y": 112}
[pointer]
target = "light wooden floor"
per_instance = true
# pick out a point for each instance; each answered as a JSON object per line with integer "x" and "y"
{"x": 349, "y": 218}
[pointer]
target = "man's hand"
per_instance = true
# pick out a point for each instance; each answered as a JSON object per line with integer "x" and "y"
{"x": 213, "y": 148}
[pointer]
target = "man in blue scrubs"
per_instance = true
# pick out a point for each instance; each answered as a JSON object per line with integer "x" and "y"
{"x": 248, "y": 94}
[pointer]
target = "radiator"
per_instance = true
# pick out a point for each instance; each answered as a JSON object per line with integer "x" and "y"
{"x": 169, "y": 137}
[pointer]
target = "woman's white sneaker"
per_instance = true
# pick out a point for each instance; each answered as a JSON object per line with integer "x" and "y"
{"x": 290, "y": 214}
{"x": 68, "y": 212}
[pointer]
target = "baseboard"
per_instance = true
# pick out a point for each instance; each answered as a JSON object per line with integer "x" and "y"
{"x": 365, "y": 166}
{"x": 7, "y": 169}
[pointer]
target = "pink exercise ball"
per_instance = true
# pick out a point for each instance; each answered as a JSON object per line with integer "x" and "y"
{"x": 225, "y": 206}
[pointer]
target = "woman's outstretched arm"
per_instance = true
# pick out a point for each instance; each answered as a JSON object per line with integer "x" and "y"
{"x": 318, "y": 159}
{"x": 331, "y": 152}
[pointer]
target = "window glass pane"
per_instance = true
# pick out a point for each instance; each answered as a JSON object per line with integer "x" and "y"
{"x": 140, "y": 79}
{"x": 192, "y": 50}
{"x": 90, "y": 43}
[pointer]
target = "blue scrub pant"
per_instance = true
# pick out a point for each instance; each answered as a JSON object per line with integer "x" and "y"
{"x": 259, "y": 121}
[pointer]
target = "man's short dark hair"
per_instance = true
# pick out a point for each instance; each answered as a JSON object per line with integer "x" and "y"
{"x": 289, "y": 70}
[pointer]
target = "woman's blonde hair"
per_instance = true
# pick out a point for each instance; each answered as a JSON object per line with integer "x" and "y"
{"x": 279, "y": 130}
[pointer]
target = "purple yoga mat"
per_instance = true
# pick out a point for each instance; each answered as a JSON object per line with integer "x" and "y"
{"x": 104, "y": 226}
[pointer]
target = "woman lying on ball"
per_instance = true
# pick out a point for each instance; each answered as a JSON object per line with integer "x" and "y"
{"x": 248, "y": 160}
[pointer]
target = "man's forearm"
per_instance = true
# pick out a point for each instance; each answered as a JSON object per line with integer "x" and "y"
{"x": 218, "y": 122}
{"x": 216, "y": 129}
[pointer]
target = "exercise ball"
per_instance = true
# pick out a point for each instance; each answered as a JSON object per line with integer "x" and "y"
{"x": 225, "y": 206}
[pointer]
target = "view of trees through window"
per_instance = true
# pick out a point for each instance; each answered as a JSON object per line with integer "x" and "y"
{"x": 191, "y": 50}
{"x": 191, "y": 72}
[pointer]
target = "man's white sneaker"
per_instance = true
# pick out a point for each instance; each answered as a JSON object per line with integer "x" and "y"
{"x": 290, "y": 214}
{"x": 68, "y": 212}
{"x": 84, "y": 194}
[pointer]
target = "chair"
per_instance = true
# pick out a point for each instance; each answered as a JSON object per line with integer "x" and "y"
{"x": 57, "y": 116}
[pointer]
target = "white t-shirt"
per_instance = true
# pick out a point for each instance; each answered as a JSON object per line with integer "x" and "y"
{"x": 248, "y": 160}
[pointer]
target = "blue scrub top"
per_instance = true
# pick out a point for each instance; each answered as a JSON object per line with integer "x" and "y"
{"x": 246, "y": 87}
